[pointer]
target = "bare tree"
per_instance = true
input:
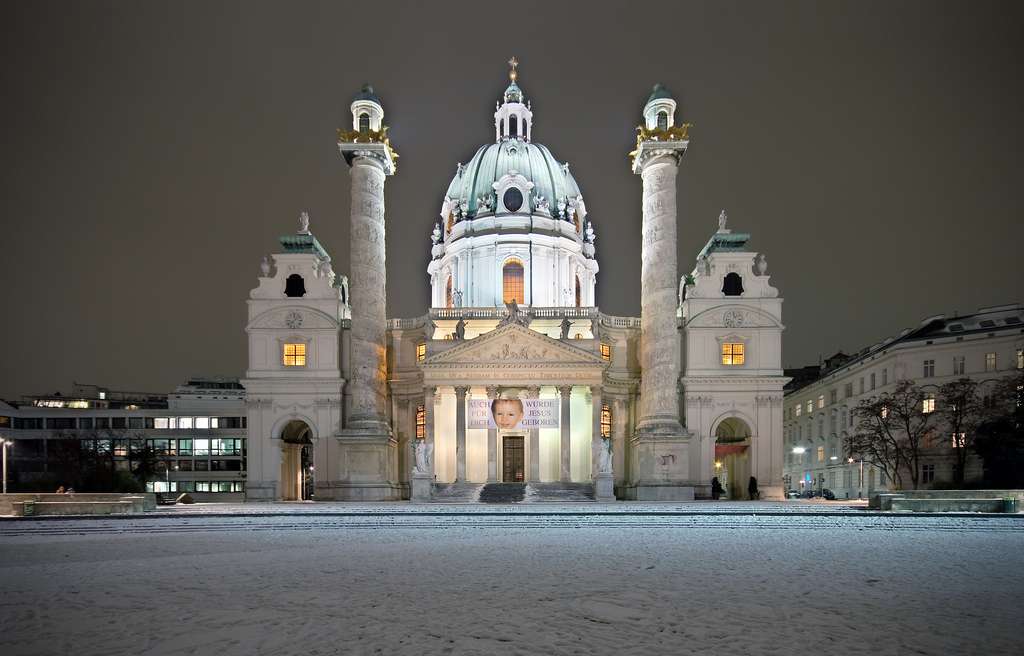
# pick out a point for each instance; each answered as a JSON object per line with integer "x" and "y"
{"x": 960, "y": 412}
{"x": 890, "y": 432}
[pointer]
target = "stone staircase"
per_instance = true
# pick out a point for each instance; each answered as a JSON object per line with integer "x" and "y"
{"x": 513, "y": 493}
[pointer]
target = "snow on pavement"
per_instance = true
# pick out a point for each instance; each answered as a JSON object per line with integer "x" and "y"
{"x": 368, "y": 579}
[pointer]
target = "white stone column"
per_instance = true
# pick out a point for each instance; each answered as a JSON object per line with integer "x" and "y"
{"x": 492, "y": 442}
{"x": 428, "y": 423}
{"x": 659, "y": 334}
{"x": 566, "y": 437}
{"x": 660, "y": 444}
{"x": 367, "y": 283}
{"x": 460, "y": 433}
{"x": 595, "y": 426}
{"x": 533, "y": 475}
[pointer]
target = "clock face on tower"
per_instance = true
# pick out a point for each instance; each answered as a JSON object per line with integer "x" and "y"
{"x": 733, "y": 319}
{"x": 293, "y": 320}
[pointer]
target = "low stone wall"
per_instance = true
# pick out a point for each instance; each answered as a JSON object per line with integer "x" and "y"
{"x": 12, "y": 504}
{"x": 944, "y": 500}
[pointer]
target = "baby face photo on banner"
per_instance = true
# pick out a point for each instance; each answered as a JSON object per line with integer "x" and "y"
{"x": 508, "y": 414}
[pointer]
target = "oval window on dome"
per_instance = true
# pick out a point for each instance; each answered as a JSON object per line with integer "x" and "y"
{"x": 513, "y": 199}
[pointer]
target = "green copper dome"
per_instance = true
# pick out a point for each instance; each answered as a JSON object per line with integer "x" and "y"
{"x": 659, "y": 92}
{"x": 550, "y": 178}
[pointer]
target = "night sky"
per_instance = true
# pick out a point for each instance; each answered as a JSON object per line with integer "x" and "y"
{"x": 153, "y": 152}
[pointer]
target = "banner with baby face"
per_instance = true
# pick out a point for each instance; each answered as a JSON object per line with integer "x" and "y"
{"x": 508, "y": 414}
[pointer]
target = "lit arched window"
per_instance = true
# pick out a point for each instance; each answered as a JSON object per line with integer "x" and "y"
{"x": 579, "y": 292}
{"x": 448, "y": 293}
{"x": 512, "y": 282}
{"x": 364, "y": 122}
{"x": 663, "y": 120}
{"x": 606, "y": 421}
{"x": 421, "y": 422}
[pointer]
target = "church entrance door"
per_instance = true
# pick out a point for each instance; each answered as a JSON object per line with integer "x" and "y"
{"x": 513, "y": 459}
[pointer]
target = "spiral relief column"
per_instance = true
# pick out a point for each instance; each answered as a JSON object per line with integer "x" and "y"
{"x": 368, "y": 467}
{"x": 661, "y": 444}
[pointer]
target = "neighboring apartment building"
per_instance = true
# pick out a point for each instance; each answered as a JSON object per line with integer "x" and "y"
{"x": 197, "y": 431}
{"x": 818, "y": 414}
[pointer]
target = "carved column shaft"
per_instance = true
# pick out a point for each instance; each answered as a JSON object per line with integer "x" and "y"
{"x": 428, "y": 423}
{"x": 659, "y": 339}
{"x": 460, "y": 434}
{"x": 565, "y": 441}
{"x": 368, "y": 386}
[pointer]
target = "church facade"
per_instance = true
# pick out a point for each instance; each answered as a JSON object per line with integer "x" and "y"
{"x": 514, "y": 375}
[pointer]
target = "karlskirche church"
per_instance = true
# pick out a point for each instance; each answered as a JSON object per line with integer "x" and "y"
{"x": 514, "y": 386}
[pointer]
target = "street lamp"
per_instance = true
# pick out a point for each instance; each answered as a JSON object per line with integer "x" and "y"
{"x": 860, "y": 491}
{"x": 4, "y": 444}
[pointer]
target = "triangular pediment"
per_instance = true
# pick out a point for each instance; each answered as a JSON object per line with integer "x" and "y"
{"x": 516, "y": 355}
{"x": 513, "y": 344}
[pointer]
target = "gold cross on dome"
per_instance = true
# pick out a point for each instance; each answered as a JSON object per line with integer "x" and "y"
{"x": 513, "y": 63}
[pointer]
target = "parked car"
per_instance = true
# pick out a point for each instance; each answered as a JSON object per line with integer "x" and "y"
{"x": 827, "y": 494}
{"x": 792, "y": 494}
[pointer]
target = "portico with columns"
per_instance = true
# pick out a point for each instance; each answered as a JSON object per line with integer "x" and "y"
{"x": 512, "y": 362}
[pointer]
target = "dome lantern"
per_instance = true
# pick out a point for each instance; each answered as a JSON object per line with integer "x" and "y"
{"x": 513, "y": 119}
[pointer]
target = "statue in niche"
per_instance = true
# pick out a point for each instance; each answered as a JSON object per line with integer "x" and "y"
{"x": 265, "y": 267}
{"x": 422, "y": 452}
{"x": 566, "y": 325}
{"x": 304, "y": 223}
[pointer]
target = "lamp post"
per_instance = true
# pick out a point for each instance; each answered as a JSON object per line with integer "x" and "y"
{"x": 4, "y": 444}
{"x": 860, "y": 490}
{"x": 800, "y": 450}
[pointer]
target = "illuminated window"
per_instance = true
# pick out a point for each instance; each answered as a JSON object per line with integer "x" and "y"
{"x": 512, "y": 281}
{"x": 799, "y": 410}
{"x": 732, "y": 353}
{"x": 810, "y": 406}
{"x": 606, "y": 421}
{"x": 959, "y": 440}
{"x": 295, "y": 355}
{"x": 421, "y": 422}
{"x": 821, "y": 401}
{"x": 1020, "y": 358}
{"x": 821, "y": 453}
{"x": 990, "y": 362}
{"x": 928, "y": 402}
{"x": 606, "y": 351}
{"x": 421, "y": 351}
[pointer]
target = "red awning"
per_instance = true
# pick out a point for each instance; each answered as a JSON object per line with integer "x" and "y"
{"x": 722, "y": 450}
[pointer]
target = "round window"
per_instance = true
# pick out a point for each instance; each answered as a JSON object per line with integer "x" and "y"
{"x": 513, "y": 199}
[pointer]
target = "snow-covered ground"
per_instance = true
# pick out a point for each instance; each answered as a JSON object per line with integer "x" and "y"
{"x": 318, "y": 579}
